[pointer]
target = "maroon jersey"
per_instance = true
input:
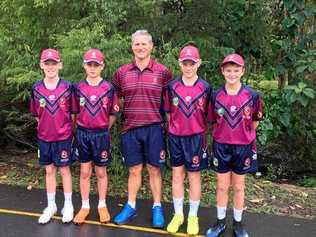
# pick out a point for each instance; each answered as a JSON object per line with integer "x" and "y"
{"x": 141, "y": 92}
{"x": 188, "y": 107}
{"x": 233, "y": 115}
{"x": 94, "y": 104}
{"x": 53, "y": 110}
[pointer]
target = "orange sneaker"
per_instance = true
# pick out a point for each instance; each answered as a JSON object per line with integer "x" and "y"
{"x": 81, "y": 216}
{"x": 104, "y": 215}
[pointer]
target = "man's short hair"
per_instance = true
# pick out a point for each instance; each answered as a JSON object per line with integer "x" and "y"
{"x": 142, "y": 33}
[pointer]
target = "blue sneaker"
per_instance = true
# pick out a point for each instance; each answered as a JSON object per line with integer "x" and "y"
{"x": 217, "y": 229}
{"x": 157, "y": 217}
{"x": 125, "y": 215}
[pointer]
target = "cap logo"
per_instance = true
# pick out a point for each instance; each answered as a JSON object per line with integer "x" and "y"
{"x": 94, "y": 55}
{"x": 231, "y": 57}
{"x": 50, "y": 53}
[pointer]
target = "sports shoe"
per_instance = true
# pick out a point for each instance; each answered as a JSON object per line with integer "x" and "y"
{"x": 125, "y": 215}
{"x": 158, "y": 220}
{"x": 104, "y": 215}
{"x": 67, "y": 213}
{"x": 193, "y": 225}
{"x": 81, "y": 216}
{"x": 239, "y": 229}
{"x": 175, "y": 223}
{"x": 217, "y": 229}
{"x": 47, "y": 215}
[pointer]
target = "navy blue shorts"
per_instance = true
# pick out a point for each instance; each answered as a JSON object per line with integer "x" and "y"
{"x": 190, "y": 151}
{"x": 93, "y": 145}
{"x": 240, "y": 159}
{"x": 57, "y": 153}
{"x": 144, "y": 145}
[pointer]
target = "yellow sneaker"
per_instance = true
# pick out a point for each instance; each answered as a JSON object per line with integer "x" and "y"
{"x": 193, "y": 225}
{"x": 175, "y": 223}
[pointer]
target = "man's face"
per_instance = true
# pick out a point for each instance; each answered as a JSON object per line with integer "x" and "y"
{"x": 142, "y": 47}
{"x": 51, "y": 68}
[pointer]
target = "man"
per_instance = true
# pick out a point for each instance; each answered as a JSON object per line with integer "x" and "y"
{"x": 140, "y": 85}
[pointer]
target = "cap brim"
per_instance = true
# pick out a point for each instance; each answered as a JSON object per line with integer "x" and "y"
{"x": 189, "y": 59}
{"x": 239, "y": 64}
{"x": 50, "y": 59}
{"x": 94, "y": 61}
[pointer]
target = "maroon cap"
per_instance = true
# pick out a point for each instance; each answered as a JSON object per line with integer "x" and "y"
{"x": 189, "y": 53}
{"x": 50, "y": 54}
{"x": 93, "y": 55}
{"x": 234, "y": 58}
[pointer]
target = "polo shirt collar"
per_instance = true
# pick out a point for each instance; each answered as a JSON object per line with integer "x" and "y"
{"x": 149, "y": 66}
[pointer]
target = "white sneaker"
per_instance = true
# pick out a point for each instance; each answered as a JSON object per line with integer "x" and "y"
{"x": 67, "y": 213}
{"x": 48, "y": 213}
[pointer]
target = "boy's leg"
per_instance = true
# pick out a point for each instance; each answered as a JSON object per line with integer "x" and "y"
{"x": 85, "y": 174}
{"x": 194, "y": 195}
{"x": 68, "y": 210}
{"x": 51, "y": 208}
{"x": 178, "y": 175}
{"x": 102, "y": 182}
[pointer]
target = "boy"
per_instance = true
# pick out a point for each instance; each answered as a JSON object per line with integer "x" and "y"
{"x": 236, "y": 112}
{"x": 51, "y": 106}
{"x": 96, "y": 104}
{"x": 186, "y": 106}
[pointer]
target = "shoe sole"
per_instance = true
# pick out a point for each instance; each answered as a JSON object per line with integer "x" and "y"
{"x": 125, "y": 222}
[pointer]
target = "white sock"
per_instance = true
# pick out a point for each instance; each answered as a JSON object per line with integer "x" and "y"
{"x": 178, "y": 205}
{"x": 51, "y": 199}
{"x": 85, "y": 204}
{"x": 132, "y": 204}
{"x": 101, "y": 203}
{"x": 238, "y": 214}
{"x": 68, "y": 199}
{"x": 157, "y": 204}
{"x": 194, "y": 207}
{"x": 221, "y": 213}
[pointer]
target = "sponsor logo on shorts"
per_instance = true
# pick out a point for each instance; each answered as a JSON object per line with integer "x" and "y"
{"x": 64, "y": 155}
{"x": 247, "y": 163}
{"x": 175, "y": 101}
{"x": 220, "y": 111}
{"x": 204, "y": 156}
{"x": 162, "y": 155}
{"x": 254, "y": 156}
{"x": 76, "y": 152}
{"x": 82, "y": 101}
{"x": 215, "y": 162}
{"x": 42, "y": 102}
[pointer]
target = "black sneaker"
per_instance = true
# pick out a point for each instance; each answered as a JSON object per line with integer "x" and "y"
{"x": 239, "y": 229}
{"x": 217, "y": 229}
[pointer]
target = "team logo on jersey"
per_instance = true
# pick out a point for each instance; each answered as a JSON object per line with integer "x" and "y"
{"x": 188, "y": 98}
{"x": 64, "y": 154}
{"x": 247, "y": 163}
{"x": 220, "y": 111}
{"x": 105, "y": 102}
{"x": 247, "y": 111}
{"x": 215, "y": 162}
{"x": 104, "y": 154}
{"x": 51, "y": 97}
{"x": 62, "y": 102}
{"x": 196, "y": 160}
{"x": 42, "y": 102}
{"x": 201, "y": 102}
{"x": 116, "y": 108}
{"x": 162, "y": 154}
{"x": 259, "y": 115}
{"x": 175, "y": 101}
{"x": 233, "y": 108}
{"x": 155, "y": 80}
{"x": 93, "y": 98}
{"x": 82, "y": 101}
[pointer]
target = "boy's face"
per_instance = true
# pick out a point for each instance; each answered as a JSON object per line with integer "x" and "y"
{"x": 93, "y": 69}
{"x": 189, "y": 68}
{"x": 51, "y": 68}
{"x": 142, "y": 47}
{"x": 232, "y": 73}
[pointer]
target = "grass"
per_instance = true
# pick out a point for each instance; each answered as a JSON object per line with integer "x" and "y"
{"x": 262, "y": 196}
